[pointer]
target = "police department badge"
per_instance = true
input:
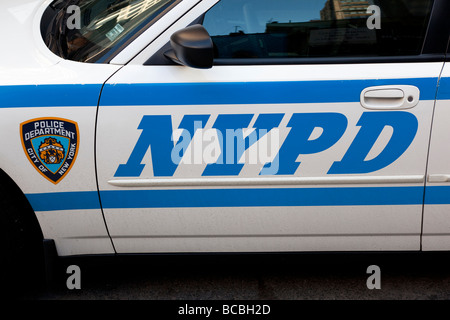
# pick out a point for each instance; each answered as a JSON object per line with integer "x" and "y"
{"x": 51, "y": 145}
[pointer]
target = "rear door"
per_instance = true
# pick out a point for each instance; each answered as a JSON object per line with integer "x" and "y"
{"x": 436, "y": 224}
{"x": 310, "y": 132}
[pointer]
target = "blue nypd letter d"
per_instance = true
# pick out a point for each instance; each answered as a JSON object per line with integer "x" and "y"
{"x": 372, "y": 124}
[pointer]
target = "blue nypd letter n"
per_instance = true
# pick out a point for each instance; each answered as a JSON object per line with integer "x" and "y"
{"x": 157, "y": 133}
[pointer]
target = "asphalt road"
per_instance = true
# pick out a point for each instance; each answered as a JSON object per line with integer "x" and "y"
{"x": 256, "y": 277}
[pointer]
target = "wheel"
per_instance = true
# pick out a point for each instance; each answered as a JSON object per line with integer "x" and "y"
{"x": 21, "y": 239}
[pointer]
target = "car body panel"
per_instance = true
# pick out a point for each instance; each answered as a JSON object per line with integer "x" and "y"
{"x": 436, "y": 226}
{"x": 36, "y": 84}
{"x": 190, "y": 214}
{"x": 95, "y": 210}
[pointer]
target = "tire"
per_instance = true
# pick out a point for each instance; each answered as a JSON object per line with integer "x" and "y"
{"x": 20, "y": 243}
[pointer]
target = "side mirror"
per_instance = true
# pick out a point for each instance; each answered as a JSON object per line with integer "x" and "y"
{"x": 192, "y": 47}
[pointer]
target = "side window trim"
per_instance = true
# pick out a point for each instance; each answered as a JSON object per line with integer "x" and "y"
{"x": 333, "y": 60}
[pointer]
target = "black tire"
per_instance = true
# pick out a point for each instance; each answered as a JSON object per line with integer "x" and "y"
{"x": 21, "y": 268}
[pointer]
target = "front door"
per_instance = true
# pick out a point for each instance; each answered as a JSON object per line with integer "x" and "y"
{"x": 304, "y": 136}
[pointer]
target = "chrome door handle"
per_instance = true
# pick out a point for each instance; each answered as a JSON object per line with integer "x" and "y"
{"x": 390, "y": 97}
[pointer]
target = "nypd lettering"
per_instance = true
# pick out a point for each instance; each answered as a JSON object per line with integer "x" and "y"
{"x": 51, "y": 145}
{"x": 157, "y": 135}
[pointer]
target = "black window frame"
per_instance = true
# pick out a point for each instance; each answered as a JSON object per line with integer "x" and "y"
{"x": 434, "y": 48}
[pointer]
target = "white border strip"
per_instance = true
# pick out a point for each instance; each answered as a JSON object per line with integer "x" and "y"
{"x": 217, "y": 182}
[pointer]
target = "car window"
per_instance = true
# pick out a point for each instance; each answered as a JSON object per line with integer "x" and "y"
{"x": 87, "y": 30}
{"x": 320, "y": 28}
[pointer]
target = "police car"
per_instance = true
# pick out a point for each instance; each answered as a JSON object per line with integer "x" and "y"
{"x": 169, "y": 126}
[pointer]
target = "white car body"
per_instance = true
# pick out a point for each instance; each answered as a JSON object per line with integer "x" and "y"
{"x": 401, "y": 206}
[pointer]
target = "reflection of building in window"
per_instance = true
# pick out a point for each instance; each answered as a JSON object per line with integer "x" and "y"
{"x": 345, "y": 9}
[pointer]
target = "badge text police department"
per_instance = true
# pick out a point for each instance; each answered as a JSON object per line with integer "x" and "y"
{"x": 51, "y": 145}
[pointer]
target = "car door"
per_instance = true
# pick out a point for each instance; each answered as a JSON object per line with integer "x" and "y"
{"x": 436, "y": 224}
{"x": 309, "y": 133}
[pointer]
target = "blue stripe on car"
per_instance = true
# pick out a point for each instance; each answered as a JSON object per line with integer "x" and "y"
{"x": 66, "y": 95}
{"x": 281, "y": 197}
{"x": 252, "y": 92}
{"x": 83, "y": 200}
{"x": 444, "y": 89}
{"x": 203, "y": 93}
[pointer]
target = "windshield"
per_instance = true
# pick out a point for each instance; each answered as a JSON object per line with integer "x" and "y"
{"x": 92, "y": 30}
